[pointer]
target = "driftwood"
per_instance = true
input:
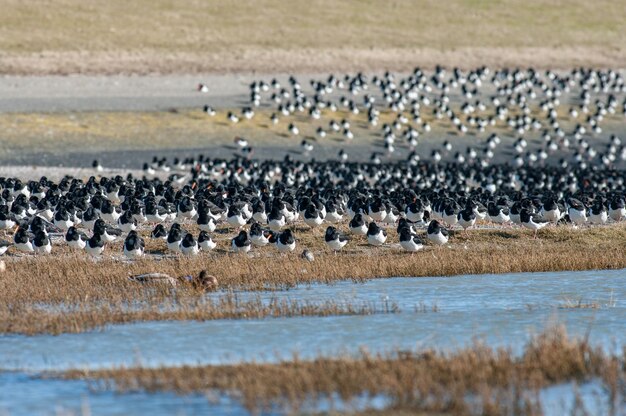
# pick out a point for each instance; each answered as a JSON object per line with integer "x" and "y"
{"x": 157, "y": 278}
{"x": 203, "y": 281}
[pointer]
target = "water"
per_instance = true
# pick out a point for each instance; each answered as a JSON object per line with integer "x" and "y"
{"x": 21, "y": 394}
{"x": 500, "y": 310}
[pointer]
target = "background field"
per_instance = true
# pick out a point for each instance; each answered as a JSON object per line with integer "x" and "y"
{"x": 162, "y": 36}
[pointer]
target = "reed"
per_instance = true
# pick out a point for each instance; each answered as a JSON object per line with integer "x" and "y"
{"x": 475, "y": 380}
{"x": 99, "y": 291}
{"x": 78, "y": 317}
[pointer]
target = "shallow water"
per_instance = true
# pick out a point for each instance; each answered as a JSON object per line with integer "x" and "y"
{"x": 21, "y": 394}
{"x": 501, "y": 310}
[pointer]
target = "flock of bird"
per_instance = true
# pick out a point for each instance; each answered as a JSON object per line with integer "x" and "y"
{"x": 353, "y": 200}
{"x": 571, "y": 177}
{"x": 550, "y": 118}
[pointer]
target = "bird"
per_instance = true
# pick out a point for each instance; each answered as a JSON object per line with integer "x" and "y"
{"x": 89, "y": 218}
{"x": 62, "y": 219}
{"x": 498, "y": 214}
{"x": 550, "y": 210}
{"x": 205, "y": 242}
{"x": 189, "y": 245}
{"x": 174, "y": 238}
{"x": 617, "y": 209}
{"x": 312, "y": 216}
{"x": 409, "y": 241}
{"x": 597, "y": 213}
{"x": 436, "y": 233}
{"x": 7, "y": 220}
{"x": 467, "y": 217}
{"x": 376, "y": 236}
{"x": 75, "y": 238}
{"x": 285, "y": 242}
{"x": 155, "y": 213}
{"x": 334, "y": 239}
{"x": 186, "y": 208}
{"x": 159, "y": 232}
{"x": 22, "y": 240}
{"x": 205, "y": 222}
{"x": 126, "y": 222}
{"x": 307, "y": 255}
{"x": 133, "y": 245}
{"x": 357, "y": 225}
{"x": 4, "y": 246}
{"x": 577, "y": 211}
{"x": 41, "y": 243}
{"x": 276, "y": 219}
{"x": 532, "y": 222}
{"x": 258, "y": 236}
{"x": 95, "y": 245}
{"x": 108, "y": 234}
{"x": 241, "y": 243}
{"x": 235, "y": 217}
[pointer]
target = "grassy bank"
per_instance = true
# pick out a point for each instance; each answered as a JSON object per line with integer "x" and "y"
{"x": 192, "y": 130}
{"x": 70, "y": 36}
{"x": 80, "y": 293}
{"x": 476, "y": 380}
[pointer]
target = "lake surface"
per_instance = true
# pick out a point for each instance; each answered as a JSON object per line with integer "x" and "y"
{"x": 441, "y": 312}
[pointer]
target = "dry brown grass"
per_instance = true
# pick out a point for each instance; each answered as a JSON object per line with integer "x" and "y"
{"x": 95, "y": 292}
{"x": 192, "y": 36}
{"x": 81, "y": 316}
{"x": 476, "y": 380}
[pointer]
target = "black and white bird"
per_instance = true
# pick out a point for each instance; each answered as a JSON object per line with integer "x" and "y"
{"x": 89, "y": 218}
{"x": 41, "y": 243}
{"x": 436, "y": 233}
{"x": 467, "y": 217}
{"x": 75, "y": 238}
{"x": 409, "y": 241}
{"x": 155, "y": 213}
{"x": 577, "y": 211}
{"x": 108, "y": 234}
{"x": 22, "y": 240}
{"x": 127, "y": 222}
{"x": 7, "y": 220}
{"x": 159, "y": 232}
{"x": 376, "y": 236}
{"x": 617, "y": 208}
{"x": 133, "y": 245}
{"x": 241, "y": 243}
{"x": 276, "y": 219}
{"x": 497, "y": 213}
{"x": 206, "y": 222}
{"x": 357, "y": 225}
{"x": 335, "y": 239}
{"x": 597, "y": 213}
{"x": 174, "y": 238}
{"x": 4, "y": 246}
{"x": 532, "y": 221}
{"x": 550, "y": 210}
{"x": 109, "y": 212}
{"x": 62, "y": 219}
{"x": 205, "y": 242}
{"x": 186, "y": 208}
{"x": 95, "y": 245}
{"x": 313, "y": 217}
{"x": 235, "y": 217}
{"x": 189, "y": 245}
{"x": 258, "y": 236}
{"x": 285, "y": 242}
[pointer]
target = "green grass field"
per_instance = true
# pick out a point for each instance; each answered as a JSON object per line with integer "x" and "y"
{"x": 195, "y": 35}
